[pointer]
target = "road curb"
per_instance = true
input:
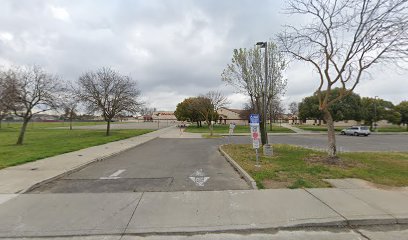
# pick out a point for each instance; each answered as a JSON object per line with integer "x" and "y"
{"x": 240, "y": 170}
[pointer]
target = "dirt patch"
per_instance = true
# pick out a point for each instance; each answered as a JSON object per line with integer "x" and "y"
{"x": 271, "y": 184}
{"x": 330, "y": 161}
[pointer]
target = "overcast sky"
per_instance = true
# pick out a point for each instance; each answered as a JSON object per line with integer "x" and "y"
{"x": 173, "y": 48}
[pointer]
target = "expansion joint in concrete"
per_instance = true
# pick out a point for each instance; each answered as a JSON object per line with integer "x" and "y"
{"x": 334, "y": 210}
{"x": 361, "y": 234}
{"x": 131, "y": 217}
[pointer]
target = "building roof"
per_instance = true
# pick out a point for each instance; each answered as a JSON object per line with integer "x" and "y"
{"x": 238, "y": 111}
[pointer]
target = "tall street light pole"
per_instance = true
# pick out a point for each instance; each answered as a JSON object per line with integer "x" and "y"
{"x": 265, "y": 45}
{"x": 267, "y": 148}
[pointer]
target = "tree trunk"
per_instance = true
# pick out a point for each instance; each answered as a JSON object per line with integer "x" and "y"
{"x": 71, "y": 116}
{"x": 263, "y": 132}
{"x": 22, "y": 131}
{"x": 0, "y": 123}
{"x": 330, "y": 134}
{"x": 108, "y": 127}
{"x": 211, "y": 128}
{"x": 263, "y": 118}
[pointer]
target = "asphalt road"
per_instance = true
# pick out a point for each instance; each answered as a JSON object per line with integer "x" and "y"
{"x": 171, "y": 164}
{"x": 158, "y": 165}
{"x": 344, "y": 143}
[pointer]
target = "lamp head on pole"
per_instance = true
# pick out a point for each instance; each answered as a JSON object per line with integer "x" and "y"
{"x": 261, "y": 44}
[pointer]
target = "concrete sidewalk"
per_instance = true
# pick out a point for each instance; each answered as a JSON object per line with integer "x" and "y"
{"x": 20, "y": 178}
{"x": 51, "y": 215}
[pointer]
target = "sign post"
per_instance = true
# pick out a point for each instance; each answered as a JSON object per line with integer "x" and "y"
{"x": 231, "y": 131}
{"x": 255, "y": 132}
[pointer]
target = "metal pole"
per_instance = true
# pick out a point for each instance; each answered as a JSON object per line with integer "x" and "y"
{"x": 266, "y": 92}
{"x": 257, "y": 158}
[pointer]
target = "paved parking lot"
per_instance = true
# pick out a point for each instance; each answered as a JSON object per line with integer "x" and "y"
{"x": 158, "y": 165}
{"x": 344, "y": 143}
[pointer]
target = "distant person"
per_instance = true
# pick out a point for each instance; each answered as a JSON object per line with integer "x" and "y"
{"x": 231, "y": 128}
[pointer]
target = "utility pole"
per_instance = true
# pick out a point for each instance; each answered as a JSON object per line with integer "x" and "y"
{"x": 267, "y": 148}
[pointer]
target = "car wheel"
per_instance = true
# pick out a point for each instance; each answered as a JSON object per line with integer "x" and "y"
{"x": 355, "y": 134}
{"x": 366, "y": 135}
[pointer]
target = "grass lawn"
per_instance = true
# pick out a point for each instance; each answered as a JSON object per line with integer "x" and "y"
{"x": 224, "y": 129}
{"x": 41, "y": 125}
{"x": 297, "y": 167}
{"x": 392, "y": 129}
{"x": 41, "y": 142}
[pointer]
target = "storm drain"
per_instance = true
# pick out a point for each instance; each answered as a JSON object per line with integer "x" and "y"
{"x": 105, "y": 185}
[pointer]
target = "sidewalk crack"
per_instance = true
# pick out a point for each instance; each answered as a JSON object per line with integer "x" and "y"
{"x": 131, "y": 217}
{"x": 361, "y": 234}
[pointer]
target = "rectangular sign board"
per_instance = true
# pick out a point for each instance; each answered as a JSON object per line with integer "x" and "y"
{"x": 254, "y": 118}
{"x": 255, "y": 132}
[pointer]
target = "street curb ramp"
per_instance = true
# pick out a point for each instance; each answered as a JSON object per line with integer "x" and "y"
{"x": 240, "y": 170}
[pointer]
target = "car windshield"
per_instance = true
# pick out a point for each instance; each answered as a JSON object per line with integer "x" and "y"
{"x": 364, "y": 128}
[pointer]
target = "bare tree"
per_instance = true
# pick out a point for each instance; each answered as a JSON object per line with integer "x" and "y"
{"x": 275, "y": 111}
{"x": 27, "y": 92}
{"x": 246, "y": 73}
{"x": 108, "y": 92}
{"x": 147, "y": 111}
{"x": 68, "y": 102}
{"x": 247, "y": 110}
{"x": 211, "y": 103}
{"x": 294, "y": 108}
{"x": 3, "y": 106}
{"x": 3, "y": 114}
{"x": 342, "y": 40}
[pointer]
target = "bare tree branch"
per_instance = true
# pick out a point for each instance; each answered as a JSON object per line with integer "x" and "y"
{"x": 28, "y": 91}
{"x": 345, "y": 38}
{"x": 108, "y": 92}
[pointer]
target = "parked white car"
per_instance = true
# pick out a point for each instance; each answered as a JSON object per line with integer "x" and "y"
{"x": 356, "y": 131}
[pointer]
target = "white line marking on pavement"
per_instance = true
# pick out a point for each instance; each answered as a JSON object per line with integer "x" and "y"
{"x": 115, "y": 175}
{"x": 199, "y": 178}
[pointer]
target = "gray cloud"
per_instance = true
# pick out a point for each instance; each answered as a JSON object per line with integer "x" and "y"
{"x": 173, "y": 48}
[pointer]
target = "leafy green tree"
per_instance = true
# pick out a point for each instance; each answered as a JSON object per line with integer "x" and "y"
{"x": 187, "y": 111}
{"x": 309, "y": 108}
{"x": 402, "y": 108}
{"x": 376, "y": 109}
{"x": 347, "y": 108}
